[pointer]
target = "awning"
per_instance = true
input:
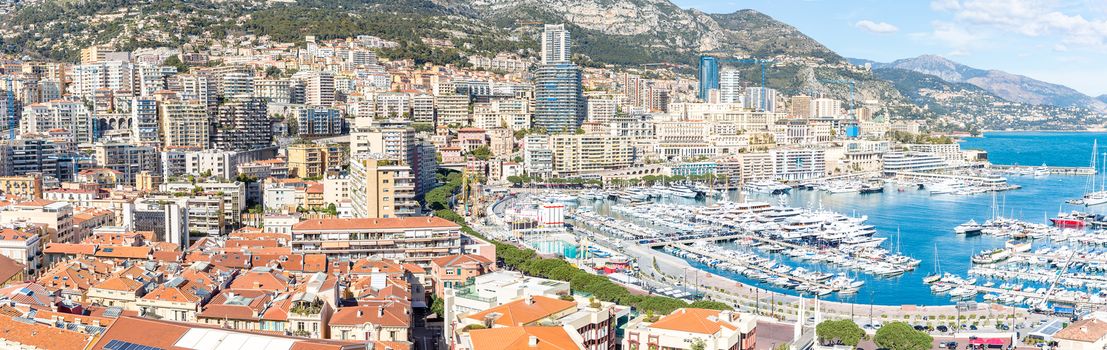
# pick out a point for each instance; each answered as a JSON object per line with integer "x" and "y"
{"x": 986, "y": 341}
{"x": 340, "y": 244}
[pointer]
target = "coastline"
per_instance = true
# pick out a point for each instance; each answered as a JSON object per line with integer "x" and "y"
{"x": 1094, "y": 130}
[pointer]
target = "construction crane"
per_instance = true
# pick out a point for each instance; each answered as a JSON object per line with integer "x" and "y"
{"x": 709, "y": 74}
{"x": 851, "y": 83}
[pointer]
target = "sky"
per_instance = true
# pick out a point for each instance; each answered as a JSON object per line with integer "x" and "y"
{"x": 1057, "y": 41}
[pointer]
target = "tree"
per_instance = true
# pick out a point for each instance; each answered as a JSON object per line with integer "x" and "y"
{"x": 482, "y": 153}
{"x": 438, "y": 307}
{"x": 834, "y": 332}
{"x": 698, "y": 344}
{"x": 900, "y": 336}
{"x": 515, "y": 180}
{"x": 331, "y": 210}
{"x": 272, "y": 72}
{"x": 175, "y": 62}
{"x": 710, "y": 304}
{"x": 423, "y": 127}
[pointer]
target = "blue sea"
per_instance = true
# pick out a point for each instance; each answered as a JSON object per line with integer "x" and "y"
{"x": 916, "y": 222}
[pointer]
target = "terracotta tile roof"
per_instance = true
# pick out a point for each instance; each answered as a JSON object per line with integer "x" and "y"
{"x": 40, "y": 336}
{"x": 261, "y": 235}
{"x": 42, "y": 314}
{"x": 35, "y": 203}
{"x": 394, "y": 345}
{"x": 14, "y": 235}
{"x": 245, "y": 304}
{"x": 510, "y": 338}
{"x": 287, "y": 262}
{"x": 172, "y": 294}
{"x": 387, "y": 315}
{"x": 230, "y": 259}
{"x": 314, "y": 187}
{"x": 261, "y": 280}
{"x": 415, "y": 269}
{"x": 28, "y": 294}
{"x": 525, "y": 311}
{"x": 67, "y": 277}
{"x": 278, "y": 311}
{"x": 461, "y": 260}
{"x": 693, "y": 320}
{"x": 373, "y": 223}
{"x": 1087, "y": 330}
{"x": 166, "y": 256}
{"x": 366, "y": 265}
{"x": 123, "y": 252}
{"x": 165, "y": 246}
{"x": 251, "y": 243}
{"x": 9, "y": 268}
{"x": 165, "y": 334}
{"x": 268, "y": 251}
{"x": 315, "y": 263}
{"x": 119, "y": 283}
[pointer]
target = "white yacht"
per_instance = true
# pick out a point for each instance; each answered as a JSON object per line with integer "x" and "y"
{"x": 968, "y": 228}
{"x": 682, "y": 191}
{"x": 767, "y": 186}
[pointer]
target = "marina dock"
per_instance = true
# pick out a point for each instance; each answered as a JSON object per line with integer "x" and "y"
{"x": 971, "y": 179}
{"x": 729, "y": 237}
{"x": 749, "y": 266}
{"x": 1055, "y": 170}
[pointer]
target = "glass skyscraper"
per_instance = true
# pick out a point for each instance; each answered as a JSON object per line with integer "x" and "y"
{"x": 709, "y": 76}
{"x": 559, "y": 104}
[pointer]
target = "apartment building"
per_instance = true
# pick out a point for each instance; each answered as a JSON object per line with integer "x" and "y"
{"x": 382, "y": 188}
{"x": 682, "y": 329}
{"x": 574, "y": 154}
{"x": 185, "y": 124}
{"x": 418, "y": 240}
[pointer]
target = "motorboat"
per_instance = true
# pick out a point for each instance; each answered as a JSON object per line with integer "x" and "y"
{"x": 969, "y": 228}
{"x": 767, "y": 187}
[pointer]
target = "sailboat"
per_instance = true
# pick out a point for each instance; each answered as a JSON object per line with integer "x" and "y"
{"x": 937, "y": 274}
{"x": 1093, "y": 197}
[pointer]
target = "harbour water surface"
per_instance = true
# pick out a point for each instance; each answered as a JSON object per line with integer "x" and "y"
{"x": 916, "y": 222}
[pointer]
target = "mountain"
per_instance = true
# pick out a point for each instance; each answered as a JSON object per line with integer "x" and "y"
{"x": 1011, "y": 87}
{"x": 620, "y": 34}
{"x": 634, "y": 32}
{"x": 624, "y": 33}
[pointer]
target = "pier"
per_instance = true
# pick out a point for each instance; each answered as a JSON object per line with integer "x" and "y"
{"x": 750, "y": 266}
{"x": 729, "y": 237}
{"x": 850, "y": 176}
{"x": 1033, "y": 276}
{"x": 1057, "y": 170}
{"x": 972, "y": 179}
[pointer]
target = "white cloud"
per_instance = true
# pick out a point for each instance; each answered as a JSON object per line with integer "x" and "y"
{"x": 945, "y": 5}
{"x": 876, "y": 27}
{"x": 955, "y": 36}
{"x": 1044, "y": 19}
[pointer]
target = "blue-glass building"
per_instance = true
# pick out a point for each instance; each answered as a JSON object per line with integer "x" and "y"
{"x": 709, "y": 76}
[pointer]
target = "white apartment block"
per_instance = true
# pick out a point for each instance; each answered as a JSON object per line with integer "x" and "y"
{"x": 573, "y": 154}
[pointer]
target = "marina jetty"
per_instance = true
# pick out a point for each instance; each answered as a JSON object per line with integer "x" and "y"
{"x": 1052, "y": 170}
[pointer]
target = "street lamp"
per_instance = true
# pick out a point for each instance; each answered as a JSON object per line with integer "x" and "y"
{"x": 871, "y": 306}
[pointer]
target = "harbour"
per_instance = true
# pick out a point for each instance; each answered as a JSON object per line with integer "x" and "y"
{"x": 914, "y": 223}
